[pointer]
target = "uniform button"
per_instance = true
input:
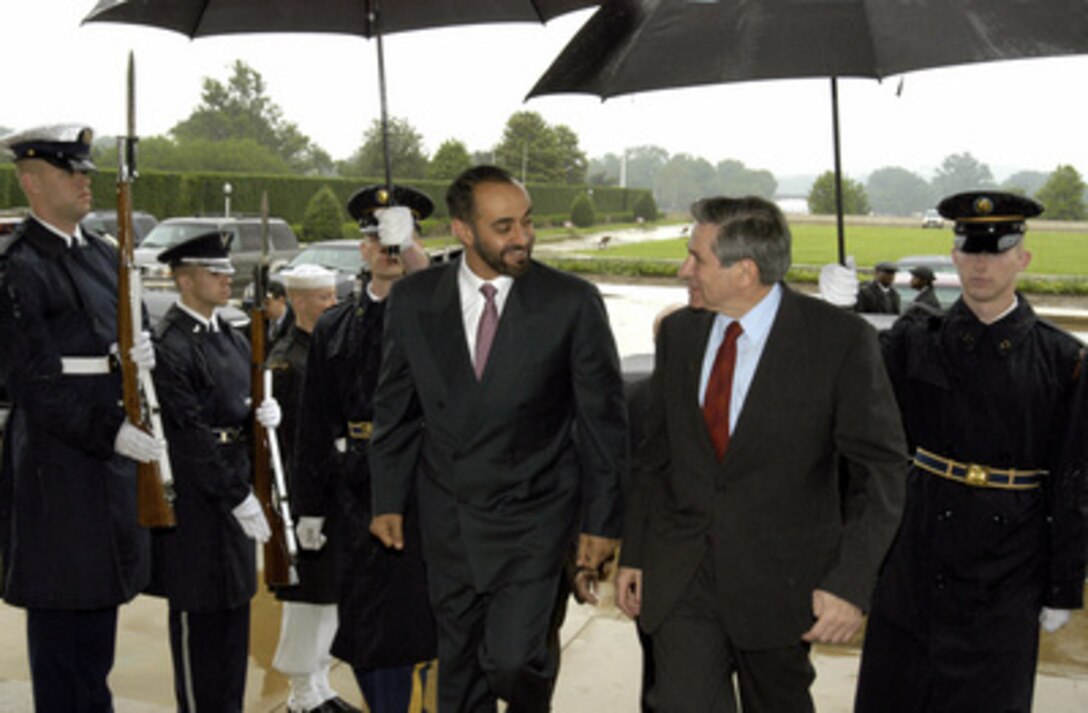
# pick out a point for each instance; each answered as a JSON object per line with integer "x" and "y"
{"x": 939, "y": 580}
{"x": 1005, "y": 345}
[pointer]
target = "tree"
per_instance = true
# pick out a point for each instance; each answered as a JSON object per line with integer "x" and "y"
{"x": 572, "y": 160}
{"x": 324, "y": 218}
{"x": 405, "y": 152}
{"x": 582, "y": 211}
{"x": 1025, "y": 183}
{"x": 821, "y": 198}
{"x": 643, "y": 163}
{"x": 683, "y": 180}
{"x": 735, "y": 179}
{"x": 240, "y": 110}
{"x": 449, "y": 160}
{"x": 535, "y": 151}
{"x": 961, "y": 172}
{"x": 1063, "y": 195}
{"x": 896, "y": 191}
{"x": 604, "y": 170}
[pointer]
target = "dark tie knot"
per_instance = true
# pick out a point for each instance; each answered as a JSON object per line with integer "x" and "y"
{"x": 733, "y": 331}
{"x": 489, "y": 291}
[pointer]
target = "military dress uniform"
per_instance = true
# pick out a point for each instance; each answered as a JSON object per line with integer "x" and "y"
{"x": 385, "y": 619}
{"x": 70, "y": 547}
{"x": 309, "y": 618}
{"x": 206, "y": 566}
{"x": 991, "y": 532}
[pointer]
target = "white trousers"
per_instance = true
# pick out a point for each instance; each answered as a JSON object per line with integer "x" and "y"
{"x": 306, "y": 634}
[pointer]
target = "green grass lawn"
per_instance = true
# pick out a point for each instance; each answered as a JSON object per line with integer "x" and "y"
{"x": 1053, "y": 253}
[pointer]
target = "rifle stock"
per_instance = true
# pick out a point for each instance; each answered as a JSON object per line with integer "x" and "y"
{"x": 278, "y": 566}
{"x": 154, "y": 480}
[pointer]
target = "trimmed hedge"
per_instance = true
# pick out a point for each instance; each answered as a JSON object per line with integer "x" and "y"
{"x": 165, "y": 194}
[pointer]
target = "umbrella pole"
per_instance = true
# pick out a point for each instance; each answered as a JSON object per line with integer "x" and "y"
{"x": 838, "y": 167}
{"x": 375, "y": 23}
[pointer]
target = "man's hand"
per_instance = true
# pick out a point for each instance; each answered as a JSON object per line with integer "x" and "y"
{"x": 1053, "y": 619}
{"x": 395, "y": 226}
{"x": 629, "y": 591}
{"x": 585, "y": 585}
{"x": 389, "y": 528}
{"x": 594, "y": 551}
{"x": 269, "y": 413}
{"x": 250, "y": 517}
{"x": 134, "y": 443}
{"x": 309, "y": 532}
{"x": 837, "y": 620}
{"x": 839, "y": 284}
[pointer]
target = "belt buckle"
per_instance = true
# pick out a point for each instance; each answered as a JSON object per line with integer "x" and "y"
{"x": 977, "y": 475}
{"x": 360, "y": 430}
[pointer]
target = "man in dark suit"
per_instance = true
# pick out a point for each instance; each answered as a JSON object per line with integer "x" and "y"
{"x": 878, "y": 296}
{"x": 740, "y": 546}
{"x": 502, "y": 358}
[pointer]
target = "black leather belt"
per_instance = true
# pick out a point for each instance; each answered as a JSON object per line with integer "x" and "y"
{"x": 225, "y": 436}
{"x": 978, "y": 476}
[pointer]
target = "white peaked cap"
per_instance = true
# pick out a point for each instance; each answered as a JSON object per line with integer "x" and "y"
{"x": 308, "y": 277}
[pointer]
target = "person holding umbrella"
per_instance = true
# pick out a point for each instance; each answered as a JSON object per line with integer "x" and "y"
{"x": 992, "y": 541}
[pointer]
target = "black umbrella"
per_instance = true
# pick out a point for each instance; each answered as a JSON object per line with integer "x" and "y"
{"x": 369, "y": 18}
{"x": 631, "y": 46}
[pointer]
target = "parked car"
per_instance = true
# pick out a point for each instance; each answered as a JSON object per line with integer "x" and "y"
{"x": 932, "y": 219}
{"x": 946, "y": 283}
{"x": 10, "y": 219}
{"x": 245, "y": 246}
{"x": 104, "y": 222}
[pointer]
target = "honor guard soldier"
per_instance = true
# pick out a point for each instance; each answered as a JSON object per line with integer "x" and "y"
{"x": 206, "y": 566}
{"x": 386, "y": 627}
{"x": 70, "y": 547}
{"x": 309, "y": 609}
{"x": 992, "y": 539}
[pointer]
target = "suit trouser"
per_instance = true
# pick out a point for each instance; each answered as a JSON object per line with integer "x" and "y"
{"x": 71, "y": 654}
{"x": 210, "y": 651}
{"x": 695, "y": 661}
{"x": 494, "y": 645}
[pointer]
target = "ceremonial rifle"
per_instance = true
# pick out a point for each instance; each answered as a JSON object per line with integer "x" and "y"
{"x": 280, "y": 551}
{"x": 154, "y": 480}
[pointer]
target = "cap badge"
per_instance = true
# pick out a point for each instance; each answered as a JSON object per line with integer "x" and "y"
{"x": 382, "y": 196}
{"x": 983, "y": 206}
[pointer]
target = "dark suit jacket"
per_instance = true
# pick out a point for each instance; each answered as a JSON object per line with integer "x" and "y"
{"x": 780, "y": 523}
{"x": 874, "y": 300}
{"x": 501, "y": 478}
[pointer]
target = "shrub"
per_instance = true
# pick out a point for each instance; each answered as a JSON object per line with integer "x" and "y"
{"x": 324, "y": 218}
{"x": 582, "y": 211}
{"x": 645, "y": 207}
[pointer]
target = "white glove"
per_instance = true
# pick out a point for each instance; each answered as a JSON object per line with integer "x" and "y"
{"x": 1053, "y": 619}
{"x": 309, "y": 533}
{"x": 140, "y": 446}
{"x": 839, "y": 284}
{"x": 269, "y": 413}
{"x": 143, "y": 351}
{"x": 395, "y": 226}
{"x": 251, "y": 517}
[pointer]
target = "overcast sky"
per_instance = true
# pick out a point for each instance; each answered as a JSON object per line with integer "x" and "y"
{"x": 465, "y": 82}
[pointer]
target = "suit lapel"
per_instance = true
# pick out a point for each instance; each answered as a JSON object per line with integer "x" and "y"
{"x": 444, "y": 330}
{"x": 782, "y": 353}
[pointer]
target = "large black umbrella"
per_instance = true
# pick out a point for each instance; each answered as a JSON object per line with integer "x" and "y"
{"x": 369, "y": 18}
{"x": 631, "y": 46}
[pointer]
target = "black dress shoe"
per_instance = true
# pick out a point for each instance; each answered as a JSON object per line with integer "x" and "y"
{"x": 338, "y": 705}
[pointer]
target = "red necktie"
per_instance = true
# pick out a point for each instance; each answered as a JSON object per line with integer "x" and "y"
{"x": 719, "y": 390}
{"x": 485, "y": 328}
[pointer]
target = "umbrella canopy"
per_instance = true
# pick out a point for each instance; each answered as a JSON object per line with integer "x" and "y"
{"x": 202, "y": 18}
{"x": 631, "y": 46}
{"x": 368, "y": 18}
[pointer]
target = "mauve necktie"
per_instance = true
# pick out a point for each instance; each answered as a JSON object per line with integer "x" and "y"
{"x": 719, "y": 390}
{"x": 485, "y": 330}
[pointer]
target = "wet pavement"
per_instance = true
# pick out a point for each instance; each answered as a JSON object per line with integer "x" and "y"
{"x": 601, "y": 662}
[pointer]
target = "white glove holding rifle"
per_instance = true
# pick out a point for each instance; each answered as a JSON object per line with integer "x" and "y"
{"x": 1053, "y": 619}
{"x": 250, "y": 516}
{"x": 395, "y": 227}
{"x": 140, "y": 446}
{"x": 269, "y": 413}
{"x": 142, "y": 352}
